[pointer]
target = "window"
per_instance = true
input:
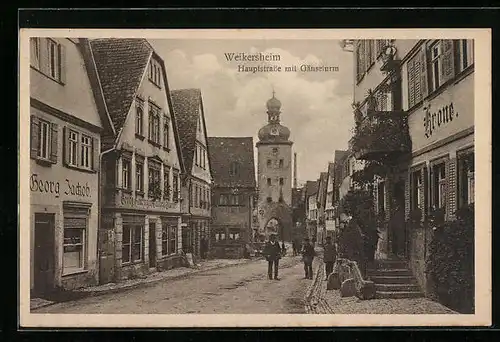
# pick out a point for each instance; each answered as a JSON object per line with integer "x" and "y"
{"x": 139, "y": 118}
{"x": 86, "y": 154}
{"x": 223, "y": 199}
{"x": 269, "y": 181}
{"x": 370, "y": 53}
{"x": 35, "y": 52}
{"x": 155, "y": 72}
{"x": 195, "y": 189}
{"x": 175, "y": 186}
{"x": 132, "y": 242}
{"x": 281, "y": 181}
{"x": 269, "y": 199}
{"x": 56, "y": 59}
{"x": 436, "y": 65}
{"x": 234, "y": 234}
{"x": 466, "y": 179}
{"x": 169, "y": 237}
{"x": 154, "y": 123}
{"x": 281, "y": 163}
{"x": 381, "y": 197}
{"x": 44, "y": 139}
{"x": 466, "y": 53}
{"x": 166, "y": 132}
{"x": 235, "y": 200}
{"x": 439, "y": 186}
{"x": 139, "y": 176}
{"x": 234, "y": 169}
{"x": 166, "y": 183}
{"x": 74, "y": 245}
{"x": 220, "y": 235}
{"x": 416, "y": 190}
{"x": 154, "y": 180}
{"x": 126, "y": 169}
{"x": 269, "y": 163}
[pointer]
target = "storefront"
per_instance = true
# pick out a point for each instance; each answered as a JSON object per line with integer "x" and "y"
{"x": 147, "y": 236}
{"x": 64, "y": 203}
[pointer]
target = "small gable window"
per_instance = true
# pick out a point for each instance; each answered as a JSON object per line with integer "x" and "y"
{"x": 155, "y": 72}
{"x": 234, "y": 169}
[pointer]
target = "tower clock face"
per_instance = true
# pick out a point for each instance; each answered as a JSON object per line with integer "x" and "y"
{"x": 274, "y": 131}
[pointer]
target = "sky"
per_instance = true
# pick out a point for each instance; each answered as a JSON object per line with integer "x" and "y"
{"x": 316, "y": 106}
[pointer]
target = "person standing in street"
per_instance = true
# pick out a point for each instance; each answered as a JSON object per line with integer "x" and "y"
{"x": 272, "y": 253}
{"x": 283, "y": 248}
{"x": 308, "y": 254}
{"x": 329, "y": 256}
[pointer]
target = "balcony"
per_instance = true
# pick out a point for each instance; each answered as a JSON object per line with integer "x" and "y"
{"x": 381, "y": 135}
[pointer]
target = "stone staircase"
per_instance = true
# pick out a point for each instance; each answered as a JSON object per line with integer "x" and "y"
{"x": 393, "y": 279}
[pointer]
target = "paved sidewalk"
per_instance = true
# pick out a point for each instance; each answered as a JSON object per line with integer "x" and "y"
{"x": 321, "y": 301}
{"x": 176, "y": 273}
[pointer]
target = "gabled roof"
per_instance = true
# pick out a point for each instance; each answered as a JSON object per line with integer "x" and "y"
{"x": 331, "y": 170}
{"x": 121, "y": 64}
{"x": 311, "y": 188}
{"x": 186, "y": 104}
{"x": 323, "y": 178}
{"x": 226, "y": 150}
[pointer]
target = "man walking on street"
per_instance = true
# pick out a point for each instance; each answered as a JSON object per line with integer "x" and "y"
{"x": 272, "y": 252}
{"x": 329, "y": 256}
{"x": 308, "y": 255}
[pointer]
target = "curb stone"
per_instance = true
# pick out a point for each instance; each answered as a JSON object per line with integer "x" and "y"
{"x": 87, "y": 294}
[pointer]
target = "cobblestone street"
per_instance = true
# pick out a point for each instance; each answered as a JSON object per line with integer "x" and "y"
{"x": 241, "y": 289}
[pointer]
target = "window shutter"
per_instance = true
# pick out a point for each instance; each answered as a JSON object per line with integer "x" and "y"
{"x": 95, "y": 154}
{"x": 66, "y": 146}
{"x": 407, "y": 195}
{"x": 411, "y": 83}
{"x": 423, "y": 193}
{"x": 62, "y": 63}
{"x": 424, "y": 80}
{"x": 53, "y": 142}
{"x": 447, "y": 65}
{"x": 452, "y": 187}
{"x": 417, "y": 71}
{"x": 35, "y": 138}
{"x": 375, "y": 196}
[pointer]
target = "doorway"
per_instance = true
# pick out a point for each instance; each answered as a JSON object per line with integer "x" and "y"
{"x": 398, "y": 231}
{"x": 152, "y": 244}
{"x": 43, "y": 263}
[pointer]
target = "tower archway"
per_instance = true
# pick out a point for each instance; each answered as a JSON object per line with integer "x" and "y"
{"x": 276, "y": 218}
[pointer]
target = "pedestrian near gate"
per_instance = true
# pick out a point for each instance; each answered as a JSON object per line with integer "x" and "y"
{"x": 272, "y": 253}
{"x": 329, "y": 256}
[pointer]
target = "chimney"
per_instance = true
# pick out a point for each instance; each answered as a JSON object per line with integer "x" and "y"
{"x": 295, "y": 170}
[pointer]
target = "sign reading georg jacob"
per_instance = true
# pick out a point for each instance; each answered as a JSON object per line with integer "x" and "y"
{"x": 67, "y": 187}
{"x": 440, "y": 117}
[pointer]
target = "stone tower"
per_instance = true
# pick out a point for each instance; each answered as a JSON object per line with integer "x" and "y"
{"x": 274, "y": 171}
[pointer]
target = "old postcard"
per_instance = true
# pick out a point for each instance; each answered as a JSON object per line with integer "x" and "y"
{"x": 255, "y": 178}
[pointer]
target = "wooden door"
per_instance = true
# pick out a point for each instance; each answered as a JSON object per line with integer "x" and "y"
{"x": 44, "y": 260}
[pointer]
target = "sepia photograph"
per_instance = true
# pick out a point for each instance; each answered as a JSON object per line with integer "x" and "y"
{"x": 254, "y": 177}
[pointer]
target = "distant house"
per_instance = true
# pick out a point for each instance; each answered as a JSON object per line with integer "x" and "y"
{"x": 196, "y": 185}
{"x": 141, "y": 164}
{"x": 330, "y": 222}
{"x": 311, "y": 208}
{"x": 299, "y": 213}
{"x": 321, "y": 199}
{"x": 233, "y": 195}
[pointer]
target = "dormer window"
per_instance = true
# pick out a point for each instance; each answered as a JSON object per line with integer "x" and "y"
{"x": 155, "y": 72}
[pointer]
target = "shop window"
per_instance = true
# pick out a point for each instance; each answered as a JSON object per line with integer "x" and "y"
{"x": 466, "y": 171}
{"x": 75, "y": 240}
{"x": 132, "y": 242}
{"x": 169, "y": 238}
{"x": 126, "y": 170}
{"x": 439, "y": 186}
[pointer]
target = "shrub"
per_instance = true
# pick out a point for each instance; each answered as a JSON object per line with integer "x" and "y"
{"x": 450, "y": 264}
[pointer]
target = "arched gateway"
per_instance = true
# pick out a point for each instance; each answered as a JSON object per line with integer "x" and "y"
{"x": 275, "y": 175}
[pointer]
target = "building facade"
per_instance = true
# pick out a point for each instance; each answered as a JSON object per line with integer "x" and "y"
{"x": 141, "y": 164}
{"x": 197, "y": 182}
{"x": 68, "y": 117}
{"x": 299, "y": 213}
{"x": 321, "y": 200}
{"x": 330, "y": 213}
{"x": 274, "y": 174}
{"x": 426, "y": 86}
{"x": 311, "y": 207}
{"x": 233, "y": 194}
